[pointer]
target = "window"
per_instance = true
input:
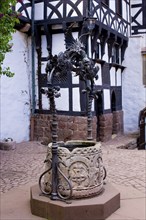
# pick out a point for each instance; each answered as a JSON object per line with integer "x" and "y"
{"x": 119, "y": 7}
{"x": 105, "y": 2}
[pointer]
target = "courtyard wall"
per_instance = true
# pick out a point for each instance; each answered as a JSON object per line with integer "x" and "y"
{"x": 133, "y": 90}
{"x": 15, "y": 91}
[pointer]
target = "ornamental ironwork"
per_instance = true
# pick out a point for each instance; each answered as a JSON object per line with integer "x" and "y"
{"x": 74, "y": 59}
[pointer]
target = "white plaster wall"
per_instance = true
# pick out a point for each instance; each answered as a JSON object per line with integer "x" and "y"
{"x": 119, "y": 77}
{"x": 113, "y": 76}
{"x": 112, "y": 5}
{"x": 39, "y": 9}
{"x": 75, "y": 79}
{"x": 44, "y": 46}
{"x": 124, "y": 10}
{"x": 62, "y": 103}
{"x": 134, "y": 93}
{"x": 15, "y": 94}
{"x": 45, "y": 102}
{"x": 58, "y": 47}
{"x": 76, "y": 99}
{"x": 107, "y": 103}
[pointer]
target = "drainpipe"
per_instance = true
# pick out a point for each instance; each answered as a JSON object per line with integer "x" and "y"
{"x": 33, "y": 73}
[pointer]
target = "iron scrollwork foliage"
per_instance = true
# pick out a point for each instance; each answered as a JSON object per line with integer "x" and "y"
{"x": 78, "y": 173}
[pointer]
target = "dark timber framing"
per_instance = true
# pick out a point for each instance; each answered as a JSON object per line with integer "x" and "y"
{"x": 137, "y": 27}
{"x": 110, "y": 28}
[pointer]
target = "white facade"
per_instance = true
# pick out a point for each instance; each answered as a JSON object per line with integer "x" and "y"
{"x": 15, "y": 92}
{"x": 134, "y": 92}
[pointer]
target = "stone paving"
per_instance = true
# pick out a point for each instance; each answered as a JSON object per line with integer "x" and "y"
{"x": 22, "y": 165}
{"x": 25, "y": 164}
{"x": 124, "y": 166}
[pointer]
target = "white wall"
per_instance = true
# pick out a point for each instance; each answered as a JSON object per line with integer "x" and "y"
{"x": 14, "y": 92}
{"x": 134, "y": 93}
{"x": 107, "y": 102}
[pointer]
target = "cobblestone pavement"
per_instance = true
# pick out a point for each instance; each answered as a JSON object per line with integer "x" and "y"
{"x": 25, "y": 164}
{"x": 22, "y": 165}
{"x": 125, "y": 167}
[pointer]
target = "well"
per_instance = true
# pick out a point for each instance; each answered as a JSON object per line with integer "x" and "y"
{"x": 74, "y": 170}
{"x": 81, "y": 163}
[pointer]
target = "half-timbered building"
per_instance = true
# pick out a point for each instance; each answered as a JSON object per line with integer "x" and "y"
{"x": 106, "y": 28}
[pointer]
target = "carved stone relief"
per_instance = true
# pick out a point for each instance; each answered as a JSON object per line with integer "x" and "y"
{"x": 82, "y": 166}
